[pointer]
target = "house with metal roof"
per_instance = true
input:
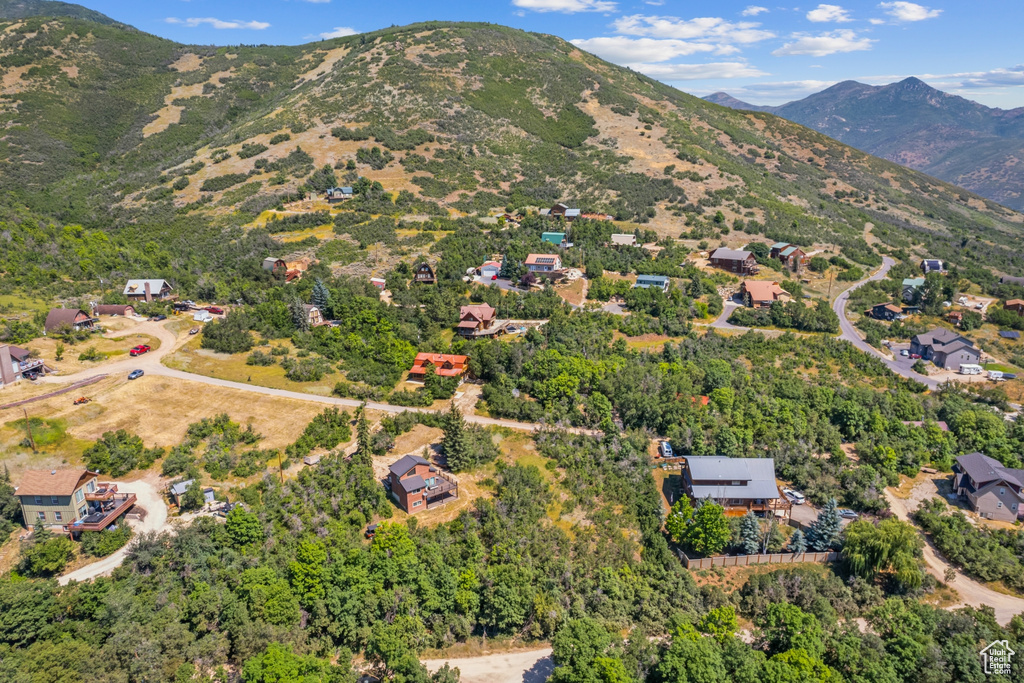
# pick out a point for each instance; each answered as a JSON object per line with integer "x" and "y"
{"x": 417, "y": 485}
{"x": 648, "y": 281}
{"x": 338, "y": 194}
{"x": 558, "y": 239}
{"x": 734, "y": 261}
{"x": 740, "y": 485}
{"x": 991, "y": 490}
{"x": 619, "y": 240}
{"x": 932, "y": 266}
{"x": 147, "y": 289}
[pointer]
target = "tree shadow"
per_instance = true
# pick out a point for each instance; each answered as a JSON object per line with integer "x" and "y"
{"x": 540, "y": 671}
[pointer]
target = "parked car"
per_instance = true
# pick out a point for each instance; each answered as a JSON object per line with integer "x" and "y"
{"x": 214, "y": 310}
{"x": 139, "y": 350}
{"x": 947, "y": 304}
{"x": 846, "y": 513}
{"x": 904, "y": 352}
{"x": 31, "y": 375}
{"x": 979, "y": 305}
{"x": 194, "y": 330}
{"x": 157, "y": 318}
{"x": 371, "y": 531}
{"x": 135, "y": 374}
{"x": 962, "y": 301}
{"x": 794, "y": 497}
{"x": 665, "y": 448}
{"x": 915, "y": 356}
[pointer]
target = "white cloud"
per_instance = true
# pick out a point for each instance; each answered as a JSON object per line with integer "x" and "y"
{"x": 218, "y": 23}
{"x": 908, "y": 11}
{"x": 829, "y": 13}
{"x": 824, "y": 44}
{"x": 692, "y": 72}
{"x": 339, "y": 32}
{"x": 753, "y": 10}
{"x": 623, "y": 50}
{"x": 877, "y": 22}
{"x": 566, "y": 6}
{"x": 706, "y": 29}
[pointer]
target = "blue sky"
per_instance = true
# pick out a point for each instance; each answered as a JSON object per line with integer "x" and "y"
{"x": 763, "y": 53}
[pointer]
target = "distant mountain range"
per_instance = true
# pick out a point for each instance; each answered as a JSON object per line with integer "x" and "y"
{"x": 978, "y": 148}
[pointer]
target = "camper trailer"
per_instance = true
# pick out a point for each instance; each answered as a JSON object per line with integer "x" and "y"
{"x": 970, "y": 369}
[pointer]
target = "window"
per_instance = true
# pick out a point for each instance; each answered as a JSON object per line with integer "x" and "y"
{"x": 1002, "y": 491}
{"x": 79, "y": 495}
{"x": 41, "y": 516}
{"x": 39, "y": 500}
{"x": 58, "y": 517}
{"x": 91, "y": 486}
{"x": 83, "y": 511}
{"x": 54, "y": 500}
{"x": 417, "y": 503}
{"x": 999, "y": 504}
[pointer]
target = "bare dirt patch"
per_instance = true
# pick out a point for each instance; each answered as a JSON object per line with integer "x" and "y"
{"x": 331, "y": 58}
{"x": 186, "y": 62}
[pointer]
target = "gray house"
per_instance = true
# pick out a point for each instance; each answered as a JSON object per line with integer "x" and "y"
{"x": 993, "y": 491}
{"x": 945, "y": 348}
{"x": 655, "y": 281}
{"x": 740, "y": 485}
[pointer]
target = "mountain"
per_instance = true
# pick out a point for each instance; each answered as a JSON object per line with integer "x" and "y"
{"x": 724, "y": 99}
{"x": 23, "y": 9}
{"x": 968, "y": 144}
{"x": 170, "y": 152}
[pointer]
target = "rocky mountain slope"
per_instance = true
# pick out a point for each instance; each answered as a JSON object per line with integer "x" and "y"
{"x": 128, "y": 133}
{"x": 968, "y": 144}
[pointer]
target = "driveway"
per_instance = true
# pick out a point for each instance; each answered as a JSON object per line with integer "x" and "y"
{"x": 149, "y": 499}
{"x": 147, "y": 362}
{"x": 849, "y": 332}
{"x": 971, "y": 592}
{"x": 531, "y": 666}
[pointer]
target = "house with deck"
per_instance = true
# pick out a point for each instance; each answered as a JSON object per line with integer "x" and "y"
{"x": 1015, "y": 305}
{"x": 559, "y": 239}
{"x": 651, "y": 282}
{"x": 945, "y": 348}
{"x": 16, "y": 362}
{"x": 148, "y": 290}
{"x": 885, "y": 311}
{"x": 761, "y": 293}
{"x": 314, "y": 316}
{"x": 71, "y": 500}
{"x": 335, "y": 195}
{"x": 417, "y": 485}
{"x": 444, "y": 364}
{"x": 424, "y": 274}
{"x": 989, "y": 488}
{"x": 788, "y": 254}
{"x": 67, "y": 318}
{"x": 543, "y": 263}
{"x": 734, "y": 261}
{"x": 740, "y": 485}
{"x": 477, "y": 320}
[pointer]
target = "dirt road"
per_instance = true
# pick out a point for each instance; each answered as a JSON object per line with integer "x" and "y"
{"x": 971, "y": 592}
{"x": 151, "y": 500}
{"x": 530, "y": 666}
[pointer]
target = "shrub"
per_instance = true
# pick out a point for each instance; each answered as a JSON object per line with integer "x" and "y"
{"x": 180, "y": 184}
{"x": 279, "y": 138}
{"x": 47, "y": 556}
{"x": 222, "y": 182}
{"x": 120, "y": 452}
{"x": 249, "y": 150}
{"x": 103, "y": 543}
{"x": 374, "y": 157}
{"x": 230, "y": 335}
{"x": 306, "y": 369}
{"x": 259, "y": 358}
{"x": 91, "y": 354}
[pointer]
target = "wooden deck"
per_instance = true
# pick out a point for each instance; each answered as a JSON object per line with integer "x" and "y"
{"x": 120, "y": 504}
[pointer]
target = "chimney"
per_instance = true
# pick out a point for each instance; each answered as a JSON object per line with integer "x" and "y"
{"x": 7, "y": 374}
{"x": 149, "y": 293}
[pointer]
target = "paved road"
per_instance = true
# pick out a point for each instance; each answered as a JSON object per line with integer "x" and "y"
{"x": 531, "y": 666}
{"x": 152, "y": 502}
{"x": 971, "y": 592}
{"x": 849, "y": 332}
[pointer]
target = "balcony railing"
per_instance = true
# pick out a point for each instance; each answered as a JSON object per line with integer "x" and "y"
{"x": 104, "y": 492}
{"x": 118, "y": 504}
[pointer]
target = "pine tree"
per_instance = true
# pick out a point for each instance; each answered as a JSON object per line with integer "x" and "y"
{"x": 321, "y": 296}
{"x": 299, "y": 316}
{"x": 798, "y": 542}
{"x": 364, "y": 445}
{"x": 823, "y": 534}
{"x": 456, "y": 450}
{"x": 750, "y": 534}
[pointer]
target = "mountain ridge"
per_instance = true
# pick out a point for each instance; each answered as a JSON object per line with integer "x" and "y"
{"x": 909, "y": 122}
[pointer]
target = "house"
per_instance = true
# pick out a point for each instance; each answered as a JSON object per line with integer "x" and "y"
{"x": 338, "y": 194}
{"x": 313, "y": 315}
{"x": 991, "y": 490}
{"x": 648, "y": 281}
{"x": 558, "y": 209}
{"x": 489, "y": 270}
{"x": 734, "y": 261}
{"x": 931, "y": 266}
{"x": 777, "y": 249}
{"x": 147, "y": 290}
{"x": 424, "y": 274}
{"x": 72, "y": 318}
{"x": 1015, "y": 305}
{"x": 125, "y": 310}
{"x": 885, "y": 311}
{"x": 955, "y": 317}
{"x": 476, "y": 320}
{"x": 1010, "y": 280}
{"x": 789, "y": 254}
{"x": 624, "y": 240}
{"x": 444, "y": 364}
{"x": 416, "y": 485}
{"x": 274, "y": 264}
{"x": 15, "y": 362}
{"x": 761, "y": 293}
{"x": 543, "y": 263}
{"x": 740, "y": 485}
{"x": 71, "y": 499}
{"x": 945, "y": 348}
{"x": 910, "y": 287}
{"x": 178, "y": 490}
{"x": 556, "y": 238}
{"x": 571, "y": 215}
{"x": 378, "y": 282}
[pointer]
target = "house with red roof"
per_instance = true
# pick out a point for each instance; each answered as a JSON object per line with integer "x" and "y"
{"x": 444, "y": 364}
{"x": 476, "y": 320}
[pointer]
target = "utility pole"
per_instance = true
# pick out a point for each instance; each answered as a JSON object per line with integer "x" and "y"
{"x": 831, "y": 274}
{"x": 28, "y": 427}
{"x": 280, "y": 467}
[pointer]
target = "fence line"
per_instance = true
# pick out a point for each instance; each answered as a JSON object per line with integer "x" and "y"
{"x": 749, "y": 560}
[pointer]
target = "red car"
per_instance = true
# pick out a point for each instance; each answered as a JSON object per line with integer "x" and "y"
{"x": 915, "y": 356}
{"x": 139, "y": 350}
{"x": 214, "y": 310}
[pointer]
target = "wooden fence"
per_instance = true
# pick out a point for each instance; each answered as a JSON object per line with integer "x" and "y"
{"x": 748, "y": 560}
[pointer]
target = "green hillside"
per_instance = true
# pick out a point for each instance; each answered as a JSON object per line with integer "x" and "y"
{"x": 160, "y": 147}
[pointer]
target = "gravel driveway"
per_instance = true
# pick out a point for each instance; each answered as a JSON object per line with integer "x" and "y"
{"x": 531, "y": 666}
